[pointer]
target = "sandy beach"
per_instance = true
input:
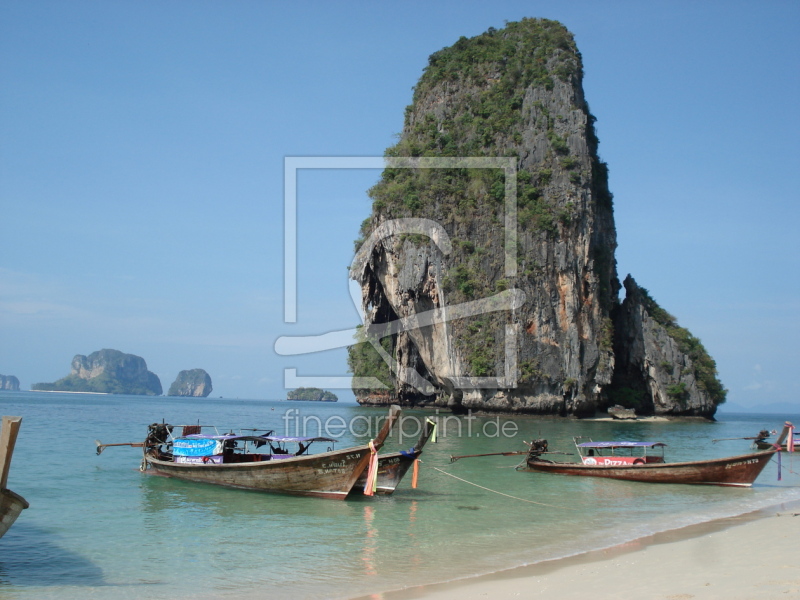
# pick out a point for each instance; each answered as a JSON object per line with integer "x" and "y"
{"x": 752, "y": 556}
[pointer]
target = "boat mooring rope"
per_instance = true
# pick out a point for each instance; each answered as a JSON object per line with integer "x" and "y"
{"x": 790, "y": 468}
{"x": 501, "y": 493}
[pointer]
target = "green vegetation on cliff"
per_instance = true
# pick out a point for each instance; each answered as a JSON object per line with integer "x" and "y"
{"x": 364, "y": 361}
{"x": 494, "y": 69}
{"x": 705, "y": 367}
{"x": 501, "y": 64}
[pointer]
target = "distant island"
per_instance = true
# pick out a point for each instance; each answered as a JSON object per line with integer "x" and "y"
{"x": 312, "y": 395}
{"x": 194, "y": 382}
{"x": 107, "y": 372}
{"x": 9, "y": 382}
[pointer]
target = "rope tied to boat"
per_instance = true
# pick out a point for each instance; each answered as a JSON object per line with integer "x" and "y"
{"x": 790, "y": 468}
{"x": 501, "y": 493}
{"x": 372, "y": 471}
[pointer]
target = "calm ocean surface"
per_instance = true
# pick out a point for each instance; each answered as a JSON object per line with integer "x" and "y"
{"x": 98, "y": 528}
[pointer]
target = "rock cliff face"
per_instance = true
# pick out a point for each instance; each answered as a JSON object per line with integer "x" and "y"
{"x": 194, "y": 382}
{"x": 107, "y": 371}
{"x": 9, "y": 382}
{"x": 661, "y": 368}
{"x": 546, "y": 345}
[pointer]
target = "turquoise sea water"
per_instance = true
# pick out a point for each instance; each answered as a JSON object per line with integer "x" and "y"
{"x": 99, "y": 528}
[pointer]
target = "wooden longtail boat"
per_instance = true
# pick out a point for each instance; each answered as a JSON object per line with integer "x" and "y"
{"x": 393, "y": 467}
{"x": 329, "y": 474}
{"x": 603, "y": 459}
{"x": 11, "y": 504}
{"x": 788, "y": 441}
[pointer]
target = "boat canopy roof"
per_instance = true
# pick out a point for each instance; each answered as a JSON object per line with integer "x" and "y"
{"x": 621, "y": 445}
{"x": 256, "y": 438}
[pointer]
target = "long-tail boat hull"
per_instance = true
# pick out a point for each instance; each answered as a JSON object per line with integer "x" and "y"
{"x": 394, "y": 466}
{"x": 740, "y": 471}
{"x": 767, "y": 445}
{"x": 391, "y": 470}
{"x": 325, "y": 475}
{"x": 329, "y": 474}
{"x": 11, "y": 504}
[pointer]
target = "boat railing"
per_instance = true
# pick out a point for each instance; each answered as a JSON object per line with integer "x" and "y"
{"x": 578, "y": 440}
{"x": 637, "y": 454}
{"x": 186, "y": 430}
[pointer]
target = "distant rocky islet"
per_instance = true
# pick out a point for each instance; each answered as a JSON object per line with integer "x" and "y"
{"x": 110, "y": 371}
{"x": 9, "y": 383}
{"x": 312, "y": 394}
{"x": 192, "y": 382}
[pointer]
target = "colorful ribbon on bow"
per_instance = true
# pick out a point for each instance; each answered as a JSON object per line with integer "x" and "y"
{"x": 372, "y": 472}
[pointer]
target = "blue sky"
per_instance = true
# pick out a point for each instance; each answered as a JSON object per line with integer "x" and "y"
{"x": 141, "y": 172}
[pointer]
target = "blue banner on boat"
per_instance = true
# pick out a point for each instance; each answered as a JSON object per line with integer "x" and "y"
{"x": 196, "y": 447}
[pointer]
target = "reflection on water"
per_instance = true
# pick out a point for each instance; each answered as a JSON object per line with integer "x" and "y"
{"x": 160, "y": 494}
{"x": 370, "y": 542}
{"x": 416, "y": 559}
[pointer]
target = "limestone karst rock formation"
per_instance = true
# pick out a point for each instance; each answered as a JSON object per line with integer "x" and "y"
{"x": 192, "y": 382}
{"x": 9, "y": 382}
{"x": 107, "y": 371}
{"x": 558, "y": 340}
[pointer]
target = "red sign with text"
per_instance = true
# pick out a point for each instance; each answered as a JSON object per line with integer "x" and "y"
{"x": 612, "y": 461}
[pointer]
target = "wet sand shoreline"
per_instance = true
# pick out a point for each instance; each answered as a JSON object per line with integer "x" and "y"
{"x": 742, "y": 557}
